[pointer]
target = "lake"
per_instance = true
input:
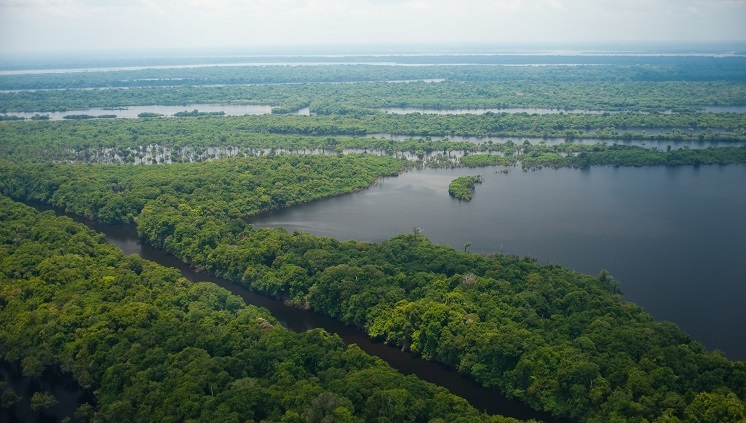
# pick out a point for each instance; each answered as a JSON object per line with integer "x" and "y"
{"x": 675, "y": 237}
{"x": 131, "y": 112}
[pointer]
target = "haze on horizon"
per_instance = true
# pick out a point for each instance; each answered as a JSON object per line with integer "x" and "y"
{"x": 58, "y": 26}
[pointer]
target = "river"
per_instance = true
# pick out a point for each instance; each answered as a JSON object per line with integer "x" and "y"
{"x": 675, "y": 237}
{"x": 492, "y": 401}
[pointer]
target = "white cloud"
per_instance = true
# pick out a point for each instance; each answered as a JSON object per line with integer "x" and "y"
{"x": 59, "y": 24}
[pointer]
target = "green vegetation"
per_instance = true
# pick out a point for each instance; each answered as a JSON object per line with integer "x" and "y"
{"x": 178, "y": 140}
{"x": 156, "y": 347}
{"x": 43, "y": 400}
{"x": 8, "y": 397}
{"x": 463, "y": 187}
{"x": 563, "y": 342}
{"x": 619, "y": 69}
{"x": 479, "y": 160}
{"x": 365, "y": 98}
{"x": 197, "y": 113}
{"x": 238, "y": 187}
{"x": 631, "y": 156}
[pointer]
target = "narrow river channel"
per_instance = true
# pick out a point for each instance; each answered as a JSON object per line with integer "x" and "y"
{"x": 491, "y": 401}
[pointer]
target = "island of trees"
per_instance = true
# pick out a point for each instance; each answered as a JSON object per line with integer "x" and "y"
{"x": 462, "y": 187}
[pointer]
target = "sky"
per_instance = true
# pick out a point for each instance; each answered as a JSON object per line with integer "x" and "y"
{"x": 31, "y": 26}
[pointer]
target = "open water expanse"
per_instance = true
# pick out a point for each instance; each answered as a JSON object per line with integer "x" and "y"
{"x": 675, "y": 237}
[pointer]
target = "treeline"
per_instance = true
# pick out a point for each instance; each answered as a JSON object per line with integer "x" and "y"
{"x": 462, "y": 187}
{"x": 239, "y": 187}
{"x": 618, "y": 69}
{"x": 365, "y": 97}
{"x": 155, "y": 347}
{"x": 563, "y": 342}
{"x": 193, "y": 113}
{"x": 619, "y": 155}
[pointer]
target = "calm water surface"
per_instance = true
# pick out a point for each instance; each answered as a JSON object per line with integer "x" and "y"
{"x": 131, "y": 112}
{"x": 674, "y": 236}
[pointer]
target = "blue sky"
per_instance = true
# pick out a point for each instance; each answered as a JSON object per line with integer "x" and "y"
{"x": 59, "y": 25}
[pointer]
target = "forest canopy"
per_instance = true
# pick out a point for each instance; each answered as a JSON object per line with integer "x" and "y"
{"x": 154, "y": 346}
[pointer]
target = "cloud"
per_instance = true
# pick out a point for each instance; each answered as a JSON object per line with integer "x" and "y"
{"x": 27, "y": 24}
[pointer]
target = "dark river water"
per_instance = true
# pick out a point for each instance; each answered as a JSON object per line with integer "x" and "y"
{"x": 675, "y": 237}
{"x": 69, "y": 394}
{"x": 490, "y": 400}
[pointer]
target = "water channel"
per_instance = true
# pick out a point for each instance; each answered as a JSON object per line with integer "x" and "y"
{"x": 492, "y": 401}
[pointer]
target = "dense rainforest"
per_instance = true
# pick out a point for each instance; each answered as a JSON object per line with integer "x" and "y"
{"x": 563, "y": 342}
{"x": 236, "y": 129}
{"x": 155, "y": 347}
{"x": 359, "y": 98}
{"x": 240, "y": 187}
{"x": 455, "y": 68}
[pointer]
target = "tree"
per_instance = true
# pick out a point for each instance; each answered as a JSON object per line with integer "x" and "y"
{"x": 42, "y": 401}
{"x": 715, "y": 408}
{"x": 32, "y": 366}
